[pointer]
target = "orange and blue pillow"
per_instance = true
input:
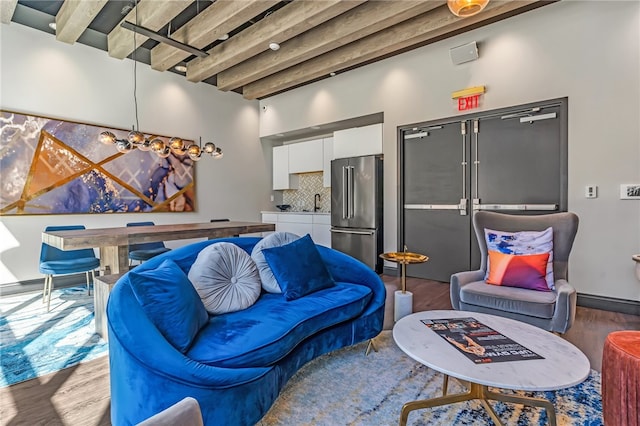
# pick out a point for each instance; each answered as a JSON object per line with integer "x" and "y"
{"x": 523, "y": 271}
{"x": 522, "y": 242}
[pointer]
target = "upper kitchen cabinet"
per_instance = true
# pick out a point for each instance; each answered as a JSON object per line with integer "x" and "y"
{"x": 327, "y": 154}
{"x": 305, "y": 157}
{"x": 358, "y": 141}
{"x": 282, "y": 179}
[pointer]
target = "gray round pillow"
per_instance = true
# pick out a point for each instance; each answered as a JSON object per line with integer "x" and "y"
{"x": 276, "y": 239}
{"x": 226, "y": 278}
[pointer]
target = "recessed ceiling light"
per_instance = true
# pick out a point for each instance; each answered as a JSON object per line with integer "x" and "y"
{"x": 280, "y": 134}
{"x": 332, "y": 74}
{"x": 223, "y": 37}
{"x": 274, "y": 46}
{"x": 315, "y": 127}
{"x": 52, "y": 25}
{"x": 180, "y": 68}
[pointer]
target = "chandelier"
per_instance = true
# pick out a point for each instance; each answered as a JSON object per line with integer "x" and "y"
{"x": 138, "y": 140}
{"x": 466, "y": 8}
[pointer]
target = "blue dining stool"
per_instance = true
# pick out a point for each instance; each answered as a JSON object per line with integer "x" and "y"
{"x": 145, "y": 251}
{"x": 54, "y": 261}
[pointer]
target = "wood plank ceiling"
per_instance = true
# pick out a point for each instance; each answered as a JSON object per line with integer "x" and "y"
{"x": 316, "y": 37}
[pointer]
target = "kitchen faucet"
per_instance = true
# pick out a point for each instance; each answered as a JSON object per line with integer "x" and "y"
{"x": 316, "y": 200}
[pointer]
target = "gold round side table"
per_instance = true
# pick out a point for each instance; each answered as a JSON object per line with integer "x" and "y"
{"x": 403, "y": 300}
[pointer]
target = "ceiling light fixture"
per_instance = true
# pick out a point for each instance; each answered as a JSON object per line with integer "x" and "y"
{"x": 332, "y": 74}
{"x": 53, "y": 25}
{"x": 137, "y": 139}
{"x": 274, "y": 46}
{"x": 223, "y": 37}
{"x": 180, "y": 68}
{"x": 466, "y": 8}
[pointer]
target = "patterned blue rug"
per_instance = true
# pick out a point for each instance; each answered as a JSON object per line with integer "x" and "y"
{"x": 34, "y": 342}
{"x": 347, "y": 388}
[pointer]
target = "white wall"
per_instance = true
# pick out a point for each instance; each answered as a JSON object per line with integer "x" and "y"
{"x": 42, "y": 76}
{"x": 588, "y": 51}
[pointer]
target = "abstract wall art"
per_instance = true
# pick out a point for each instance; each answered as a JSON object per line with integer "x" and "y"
{"x": 52, "y": 166}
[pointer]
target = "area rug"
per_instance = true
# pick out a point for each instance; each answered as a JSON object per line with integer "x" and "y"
{"x": 348, "y": 388}
{"x": 34, "y": 342}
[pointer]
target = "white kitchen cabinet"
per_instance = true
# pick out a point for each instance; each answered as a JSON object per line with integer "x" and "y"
{"x": 366, "y": 140}
{"x": 327, "y": 156}
{"x": 282, "y": 179}
{"x": 305, "y": 157}
{"x": 316, "y": 225}
{"x": 299, "y": 224}
{"x": 321, "y": 229}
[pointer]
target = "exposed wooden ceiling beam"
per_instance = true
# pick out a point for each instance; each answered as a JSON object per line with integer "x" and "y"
{"x": 74, "y": 17}
{"x": 280, "y": 26}
{"x": 150, "y": 14}
{"x": 7, "y": 7}
{"x": 357, "y": 23}
{"x": 218, "y": 19}
{"x": 416, "y": 31}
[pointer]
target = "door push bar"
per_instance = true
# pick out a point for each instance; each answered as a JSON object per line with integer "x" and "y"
{"x": 546, "y": 207}
{"x": 462, "y": 207}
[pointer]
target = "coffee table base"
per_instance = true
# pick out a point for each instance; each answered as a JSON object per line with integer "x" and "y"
{"x": 482, "y": 393}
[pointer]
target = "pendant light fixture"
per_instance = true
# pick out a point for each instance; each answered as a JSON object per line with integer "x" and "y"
{"x": 137, "y": 140}
{"x": 466, "y": 8}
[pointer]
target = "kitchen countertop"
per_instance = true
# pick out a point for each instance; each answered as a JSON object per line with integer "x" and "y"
{"x": 291, "y": 212}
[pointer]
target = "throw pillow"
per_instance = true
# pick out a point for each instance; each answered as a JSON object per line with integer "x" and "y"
{"x": 269, "y": 282}
{"x": 523, "y": 242}
{"x": 171, "y": 303}
{"x": 523, "y": 271}
{"x": 298, "y": 268}
{"x": 226, "y": 278}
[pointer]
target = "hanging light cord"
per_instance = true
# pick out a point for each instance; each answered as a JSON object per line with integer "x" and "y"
{"x": 135, "y": 68}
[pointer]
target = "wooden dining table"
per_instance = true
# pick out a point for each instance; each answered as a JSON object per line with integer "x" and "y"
{"x": 114, "y": 242}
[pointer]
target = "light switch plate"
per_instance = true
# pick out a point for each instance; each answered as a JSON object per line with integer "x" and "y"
{"x": 591, "y": 191}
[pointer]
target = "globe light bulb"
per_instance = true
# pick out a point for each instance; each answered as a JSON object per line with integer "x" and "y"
{"x": 107, "y": 138}
{"x": 194, "y": 152}
{"x": 176, "y": 144}
{"x": 466, "y": 8}
{"x": 135, "y": 137}
{"x": 218, "y": 154}
{"x": 209, "y": 148}
{"x": 157, "y": 145}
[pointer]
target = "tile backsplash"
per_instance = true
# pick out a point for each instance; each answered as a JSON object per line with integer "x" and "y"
{"x": 302, "y": 198}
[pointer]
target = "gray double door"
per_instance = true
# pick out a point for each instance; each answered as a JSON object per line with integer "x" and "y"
{"x": 512, "y": 160}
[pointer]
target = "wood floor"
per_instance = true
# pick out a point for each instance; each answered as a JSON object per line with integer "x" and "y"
{"x": 79, "y": 395}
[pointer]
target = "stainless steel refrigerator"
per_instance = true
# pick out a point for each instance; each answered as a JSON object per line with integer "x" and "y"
{"x": 356, "y": 208}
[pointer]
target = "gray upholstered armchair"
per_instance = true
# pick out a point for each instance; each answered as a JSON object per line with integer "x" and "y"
{"x": 552, "y": 311}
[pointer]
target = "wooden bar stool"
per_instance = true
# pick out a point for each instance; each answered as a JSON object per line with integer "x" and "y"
{"x": 621, "y": 379}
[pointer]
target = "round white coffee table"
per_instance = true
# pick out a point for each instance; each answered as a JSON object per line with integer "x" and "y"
{"x": 563, "y": 365}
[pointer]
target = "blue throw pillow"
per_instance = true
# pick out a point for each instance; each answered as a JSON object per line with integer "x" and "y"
{"x": 298, "y": 268}
{"x": 169, "y": 300}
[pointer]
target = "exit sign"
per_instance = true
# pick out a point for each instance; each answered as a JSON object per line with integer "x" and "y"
{"x": 468, "y": 98}
{"x": 468, "y": 102}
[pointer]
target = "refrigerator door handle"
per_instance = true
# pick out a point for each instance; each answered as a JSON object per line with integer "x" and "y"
{"x": 340, "y": 231}
{"x": 351, "y": 190}
{"x": 345, "y": 194}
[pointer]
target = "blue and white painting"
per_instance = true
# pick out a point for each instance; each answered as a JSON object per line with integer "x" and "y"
{"x": 50, "y": 166}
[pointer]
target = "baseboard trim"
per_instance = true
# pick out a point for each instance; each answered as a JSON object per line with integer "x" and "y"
{"x": 612, "y": 304}
{"x": 387, "y": 270}
{"x": 30, "y": 286}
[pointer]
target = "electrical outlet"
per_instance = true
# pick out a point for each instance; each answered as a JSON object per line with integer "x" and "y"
{"x": 272, "y": 198}
{"x": 591, "y": 191}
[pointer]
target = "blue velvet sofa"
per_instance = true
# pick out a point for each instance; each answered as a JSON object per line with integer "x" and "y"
{"x": 245, "y": 357}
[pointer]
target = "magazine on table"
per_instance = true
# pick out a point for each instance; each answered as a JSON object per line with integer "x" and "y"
{"x": 478, "y": 342}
